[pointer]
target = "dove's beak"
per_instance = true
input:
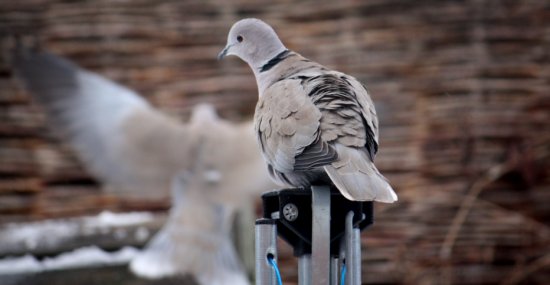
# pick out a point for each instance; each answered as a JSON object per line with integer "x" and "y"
{"x": 223, "y": 53}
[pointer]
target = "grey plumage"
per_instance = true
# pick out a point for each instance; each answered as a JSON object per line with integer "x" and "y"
{"x": 313, "y": 124}
{"x": 95, "y": 115}
{"x": 209, "y": 164}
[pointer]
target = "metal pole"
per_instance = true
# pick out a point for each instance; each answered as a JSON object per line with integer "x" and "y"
{"x": 266, "y": 244}
{"x": 350, "y": 262}
{"x": 334, "y": 271}
{"x": 356, "y": 266}
{"x": 320, "y": 236}
{"x": 304, "y": 270}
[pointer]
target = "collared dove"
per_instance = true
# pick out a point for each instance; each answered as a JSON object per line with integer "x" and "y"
{"x": 314, "y": 125}
{"x": 211, "y": 165}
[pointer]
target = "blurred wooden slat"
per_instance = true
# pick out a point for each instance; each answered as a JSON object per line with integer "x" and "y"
{"x": 20, "y": 185}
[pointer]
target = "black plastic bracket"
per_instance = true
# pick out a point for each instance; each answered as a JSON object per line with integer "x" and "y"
{"x": 292, "y": 210}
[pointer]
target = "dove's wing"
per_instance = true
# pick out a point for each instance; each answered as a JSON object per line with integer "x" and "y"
{"x": 119, "y": 136}
{"x": 288, "y": 125}
{"x": 213, "y": 165}
{"x": 348, "y": 115}
{"x": 349, "y": 122}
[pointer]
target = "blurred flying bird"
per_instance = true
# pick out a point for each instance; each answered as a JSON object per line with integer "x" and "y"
{"x": 314, "y": 125}
{"x": 211, "y": 165}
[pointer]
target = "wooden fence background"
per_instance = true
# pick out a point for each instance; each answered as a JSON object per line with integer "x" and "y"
{"x": 461, "y": 87}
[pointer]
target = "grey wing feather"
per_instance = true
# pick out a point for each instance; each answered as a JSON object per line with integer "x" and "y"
{"x": 368, "y": 111}
{"x": 349, "y": 124}
{"x": 357, "y": 178}
{"x": 347, "y": 116}
{"x": 288, "y": 129}
{"x": 317, "y": 154}
{"x": 114, "y": 130}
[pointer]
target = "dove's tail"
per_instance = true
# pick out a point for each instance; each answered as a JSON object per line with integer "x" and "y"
{"x": 195, "y": 241}
{"x": 357, "y": 178}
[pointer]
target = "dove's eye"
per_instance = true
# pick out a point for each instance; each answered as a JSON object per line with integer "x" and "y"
{"x": 239, "y": 39}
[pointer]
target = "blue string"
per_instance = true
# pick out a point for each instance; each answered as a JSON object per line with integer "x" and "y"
{"x": 274, "y": 264}
{"x": 343, "y": 277}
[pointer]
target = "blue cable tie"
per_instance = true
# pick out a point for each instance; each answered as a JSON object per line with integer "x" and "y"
{"x": 273, "y": 263}
{"x": 343, "y": 277}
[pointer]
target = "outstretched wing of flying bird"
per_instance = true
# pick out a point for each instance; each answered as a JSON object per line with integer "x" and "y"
{"x": 210, "y": 165}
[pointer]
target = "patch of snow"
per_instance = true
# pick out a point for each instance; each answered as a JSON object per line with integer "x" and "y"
{"x": 110, "y": 219}
{"x": 82, "y": 257}
{"x": 51, "y": 233}
{"x": 31, "y": 234}
{"x": 14, "y": 265}
{"x": 89, "y": 256}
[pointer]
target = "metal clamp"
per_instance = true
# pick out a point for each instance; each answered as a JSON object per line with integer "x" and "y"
{"x": 322, "y": 227}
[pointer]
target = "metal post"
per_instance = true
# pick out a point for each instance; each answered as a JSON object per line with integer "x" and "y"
{"x": 320, "y": 235}
{"x": 266, "y": 244}
{"x": 353, "y": 252}
{"x": 356, "y": 266}
{"x": 304, "y": 269}
{"x": 349, "y": 249}
{"x": 334, "y": 271}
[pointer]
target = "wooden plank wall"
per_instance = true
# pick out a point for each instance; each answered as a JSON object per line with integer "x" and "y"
{"x": 461, "y": 88}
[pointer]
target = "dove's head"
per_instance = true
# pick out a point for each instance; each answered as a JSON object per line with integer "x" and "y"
{"x": 253, "y": 41}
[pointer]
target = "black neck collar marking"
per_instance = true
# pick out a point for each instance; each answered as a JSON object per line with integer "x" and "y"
{"x": 275, "y": 60}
